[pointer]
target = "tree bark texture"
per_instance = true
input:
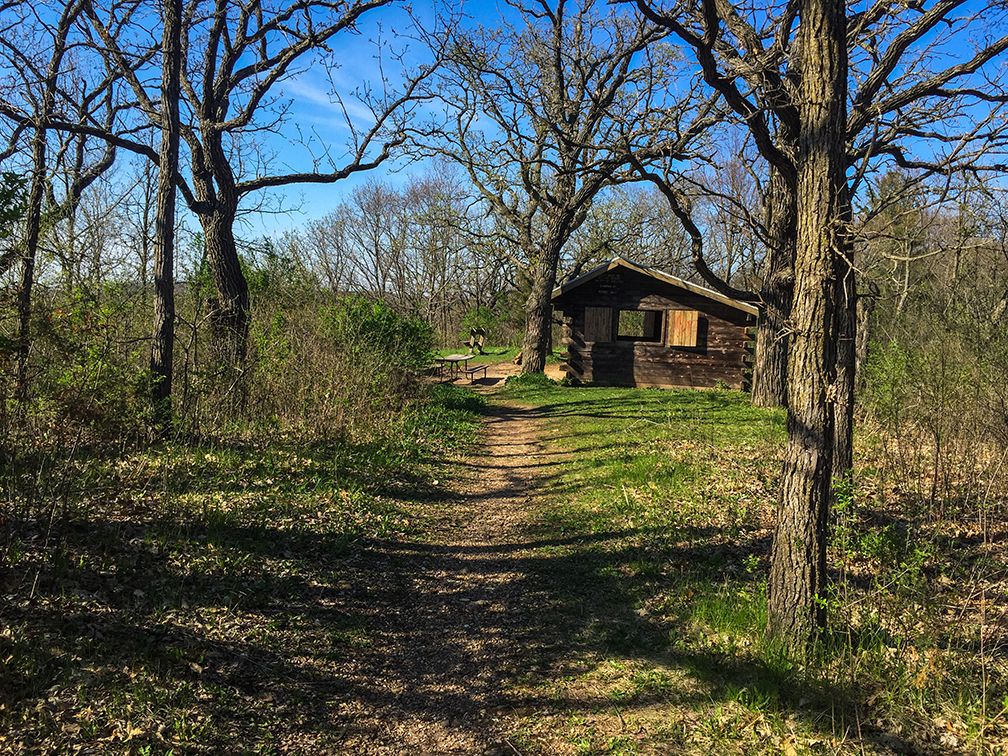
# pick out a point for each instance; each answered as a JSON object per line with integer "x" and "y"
{"x": 230, "y": 314}
{"x": 770, "y": 368}
{"x": 798, "y": 560}
{"x": 163, "y": 338}
{"x": 32, "y": 230}
{"x": 538, "y": 307}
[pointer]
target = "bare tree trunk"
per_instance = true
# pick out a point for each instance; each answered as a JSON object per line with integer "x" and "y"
{"x": 32, "y": 230}
{"x": 144, "y": 231}
{"x": 798, "y": 560}
{"x": 538, "y": 307}
{"x": 846, "y": 316}
{"x": 163, "y": 338}
{"x": 33, "y": 226}
{"x": 33, "y": 215}
{"x": 770, "y": 368}
{"x": 230, "y": 315}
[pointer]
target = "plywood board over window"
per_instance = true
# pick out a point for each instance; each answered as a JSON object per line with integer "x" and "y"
{"x": 681, "y": 329}
{"x": 598, "y": 324}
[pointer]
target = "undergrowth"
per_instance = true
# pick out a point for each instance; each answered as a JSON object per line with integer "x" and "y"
{"x": 186, "y": 595}
{"x": 141, "y": 589}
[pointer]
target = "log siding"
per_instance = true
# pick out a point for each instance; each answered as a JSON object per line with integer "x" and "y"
{"x": 716, "y": 327}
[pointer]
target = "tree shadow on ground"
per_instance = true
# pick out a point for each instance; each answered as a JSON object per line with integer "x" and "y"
{"x": 272, "y": 634}
{"x": 238, "y": 632}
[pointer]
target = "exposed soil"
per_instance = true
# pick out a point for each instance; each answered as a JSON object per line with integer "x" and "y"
{"x": 477, "y": 626}
{"x": 459, "y": 624}
{"x": 400, "y": 645}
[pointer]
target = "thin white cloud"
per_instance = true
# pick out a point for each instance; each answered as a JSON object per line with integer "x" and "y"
{"x": 322, "y": 107}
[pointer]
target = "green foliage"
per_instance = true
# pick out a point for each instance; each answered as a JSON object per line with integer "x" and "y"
{"x": 936, "y": 395}
{"x": 84, "y": 375}
{"x": 203, "y": 558}
{"x": 198, "y": 279}
{"x": 268, "y": 270}
{"x": 934, "y": 392}
{"x": 511, "y": 307}
{"x": 365, "y": 328}
{"x": 480, "y": 317}
{"x": 451, "y": 398}
{"x": 530, "y": 381}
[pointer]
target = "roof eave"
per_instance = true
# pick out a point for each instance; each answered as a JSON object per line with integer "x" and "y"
{"x": 656, "y": 274}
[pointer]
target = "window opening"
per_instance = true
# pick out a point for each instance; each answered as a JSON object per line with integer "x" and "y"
{"x": 639, "y": 325}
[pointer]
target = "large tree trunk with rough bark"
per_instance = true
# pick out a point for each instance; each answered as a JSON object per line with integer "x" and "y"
{"x": 163, "y": 337}
{"x": 538, "y": 307}
{"x": 229, "y": 315}
{"x": 770, "y": 367}
{"x": 798, "y": 560}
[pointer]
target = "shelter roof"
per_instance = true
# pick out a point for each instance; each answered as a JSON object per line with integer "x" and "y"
{"x": 619, "y": 262}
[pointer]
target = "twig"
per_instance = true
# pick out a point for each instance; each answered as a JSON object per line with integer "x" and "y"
{"x": 512, "y": 746}
{"x": 640, "y": 420}
{"x": 618, "y": 714}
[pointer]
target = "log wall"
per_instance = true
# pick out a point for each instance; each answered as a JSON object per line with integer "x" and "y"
{"x": 720, "y": 353}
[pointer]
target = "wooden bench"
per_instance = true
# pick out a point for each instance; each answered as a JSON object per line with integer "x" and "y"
{"x": 473, "y": 369}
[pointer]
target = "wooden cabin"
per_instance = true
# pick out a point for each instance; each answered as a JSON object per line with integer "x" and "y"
{"x": 628, "y": 325}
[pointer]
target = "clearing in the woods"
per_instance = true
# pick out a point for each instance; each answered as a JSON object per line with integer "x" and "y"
{"x": 585, "y": 578}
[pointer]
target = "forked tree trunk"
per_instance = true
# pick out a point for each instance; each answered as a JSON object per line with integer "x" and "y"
{"x": 798, "y": 560}
{"x": 538, "y": 307}
{"x": 770, "y": 367}
{"x": 163, "y": 338}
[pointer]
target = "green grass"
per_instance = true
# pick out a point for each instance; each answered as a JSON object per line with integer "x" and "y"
{"x": 658, "y": 460}
{"x": 493, "y": 354}
{"x": 213, "y": 595}
{"x": 655, "y": 523}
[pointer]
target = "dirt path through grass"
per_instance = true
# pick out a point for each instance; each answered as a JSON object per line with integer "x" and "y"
{"x": 454, "y": 624}
{"x": 586, "y": 581}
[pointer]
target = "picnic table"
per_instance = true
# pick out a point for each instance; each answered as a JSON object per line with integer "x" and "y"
{"x": 453, "y": 361}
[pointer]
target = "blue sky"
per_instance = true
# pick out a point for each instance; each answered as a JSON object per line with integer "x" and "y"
{"x": 322, "y": 121}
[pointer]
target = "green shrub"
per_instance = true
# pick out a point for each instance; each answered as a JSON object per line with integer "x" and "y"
{"x": 481, "y": 317}
{"x": 530, "y": 380}
{"x": 373, "y": 330}
{"x": 341, "y": 367}
{"x": 83, "y": 373}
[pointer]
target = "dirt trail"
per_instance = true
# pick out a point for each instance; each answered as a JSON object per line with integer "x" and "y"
{"x": 452, "y": 619}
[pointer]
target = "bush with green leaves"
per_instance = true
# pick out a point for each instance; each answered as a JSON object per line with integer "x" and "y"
{"x": 338, "y": 367}
{"x": 481, "y": 318}
{"x": 83, "y": 372}
{"x": 374, "y": 332}
{"x": 935, "y": 391}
